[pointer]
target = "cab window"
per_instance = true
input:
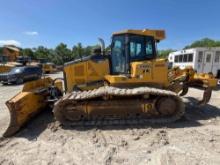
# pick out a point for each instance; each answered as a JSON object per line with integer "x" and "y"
{"x": 136, "y": 45}
{"x": 141, "y": 47}
{"x": 135, "y": 49}
{"x": 149, "y": 48}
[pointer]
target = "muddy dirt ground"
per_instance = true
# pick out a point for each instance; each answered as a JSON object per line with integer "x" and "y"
{"x": 195, "y": 139}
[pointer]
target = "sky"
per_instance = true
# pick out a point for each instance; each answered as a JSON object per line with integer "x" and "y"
{"x": 30, "y": 23}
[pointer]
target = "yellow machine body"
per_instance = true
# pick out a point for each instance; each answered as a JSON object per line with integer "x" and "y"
{"x": 85, "y": 74}
{"x": 208, "y": 79}
{"x": 8, "y": 66}
{"x": 152, "y": 73}
{"x": 5, "y": 68}
{"x": 89, "y": 74}
{"x": 197, "y": 79}
{"x": 156, "y": 34}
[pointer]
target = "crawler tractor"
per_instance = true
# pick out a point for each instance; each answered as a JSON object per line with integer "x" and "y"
{"x": 128, "y": 86}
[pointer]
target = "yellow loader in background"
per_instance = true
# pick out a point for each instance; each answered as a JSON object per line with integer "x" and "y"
{"x": 6, "y": 67}
{"x": 49, "y": 67}
{"x": 128, "y": 86}
{"x": 190, "y": 78}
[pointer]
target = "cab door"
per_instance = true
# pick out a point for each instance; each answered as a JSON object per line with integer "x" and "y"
{"x": 119, "y": 60}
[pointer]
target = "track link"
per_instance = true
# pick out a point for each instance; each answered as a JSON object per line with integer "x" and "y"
{"x": 76, "y": 99}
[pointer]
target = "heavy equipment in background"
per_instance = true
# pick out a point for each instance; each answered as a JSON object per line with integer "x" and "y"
{"x": 128, "y": 86}
{"x": 190, "y": 78}
{"x": 6, "y": 67}
{"x": 12, "y": 58}
{"x": 49, "y": 67}
{"x": 8, "y": 58}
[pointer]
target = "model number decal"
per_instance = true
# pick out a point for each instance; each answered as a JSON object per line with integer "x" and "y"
{"x": 144, "y": 67}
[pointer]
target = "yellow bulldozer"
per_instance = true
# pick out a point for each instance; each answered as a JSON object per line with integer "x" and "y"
{"x": 129, "y": 85}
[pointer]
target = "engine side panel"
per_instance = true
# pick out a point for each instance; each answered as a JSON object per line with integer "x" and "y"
{"x": 152, "y": 72}
{"x": 85, "y": 74}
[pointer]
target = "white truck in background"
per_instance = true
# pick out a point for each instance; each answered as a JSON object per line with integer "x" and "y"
{"x": 203, "y": 60}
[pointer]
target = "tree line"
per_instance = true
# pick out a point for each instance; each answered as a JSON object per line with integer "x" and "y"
{"x": 61, "y": 53}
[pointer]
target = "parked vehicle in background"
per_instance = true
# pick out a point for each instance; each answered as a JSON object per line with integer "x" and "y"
{"x": 18, "y": 75}
{"x": 203, "y": 60}
{"x": 49, "y": 67}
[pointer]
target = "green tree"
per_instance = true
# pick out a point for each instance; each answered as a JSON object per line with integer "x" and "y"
{"x": 87, "y": 50}
{"x": 108, "y": 49}
{"x": 164, "y": 53}
{"x": 77, "y": 51}
{"x": 28, "y": 52}
{"x": 62, "y": 54}
{"x": 1, "y": 50}
{"x": 205, "y": 42}
{"x": 41, "y": 52}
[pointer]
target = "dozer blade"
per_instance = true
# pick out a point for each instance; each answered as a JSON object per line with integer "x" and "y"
{"x": 26, "y": 104}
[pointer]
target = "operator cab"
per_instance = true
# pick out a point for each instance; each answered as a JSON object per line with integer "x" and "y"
{"x": 133, "y": 45}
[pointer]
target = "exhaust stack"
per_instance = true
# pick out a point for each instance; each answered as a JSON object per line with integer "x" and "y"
{"x": 102, "y": 44}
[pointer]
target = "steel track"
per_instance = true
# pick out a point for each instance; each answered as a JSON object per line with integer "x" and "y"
{"x": 76, "y": 97}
